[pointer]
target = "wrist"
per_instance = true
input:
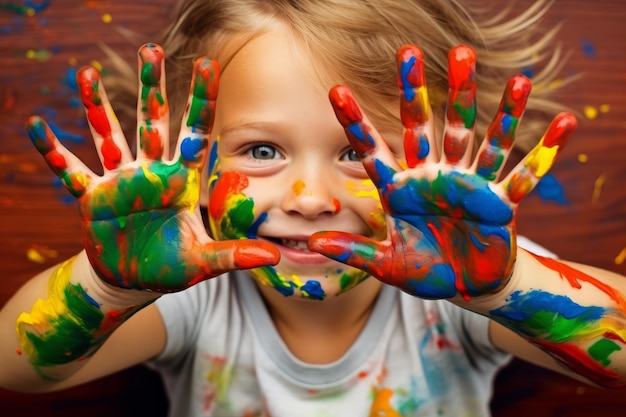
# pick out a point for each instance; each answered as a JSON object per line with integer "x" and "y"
{"x": 109, "y": 297}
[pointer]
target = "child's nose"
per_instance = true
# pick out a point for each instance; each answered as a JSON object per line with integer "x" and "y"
{"x": 311, "y": 198}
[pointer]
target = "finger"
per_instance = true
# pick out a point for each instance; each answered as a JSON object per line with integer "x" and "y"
{"x": 223, "y": 256}
{"x": 200, "y": 113}
{"x": 377, "y": 159}
{"x": 500, "y": 136}
{"x": 70, "y": 170}
{"x": 153, "y": 110}
{"x": 415, "y": 111}
{"x": 461, "y": 106}
{"x": 358, "y": 251}
{"x": 525, "y": 176}
{"x": 105, "y": 129}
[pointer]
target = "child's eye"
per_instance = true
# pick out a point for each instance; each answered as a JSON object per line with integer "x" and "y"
{"x": 350, "y": 155}
{"x": 263, "y": 152}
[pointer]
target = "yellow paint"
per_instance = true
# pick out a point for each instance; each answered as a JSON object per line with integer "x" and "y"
{"x": 106, "y": 18}
{"x": 35, "y": 256}
{"x": 621, "y": 257}
{"x": 604, "y": 108}
{"x": 96, "y": 65}
{"x": 541, "y": 158}
{"x": 40, "y": 254}
{"x": 46, "y": 311}
{"x": 583, "y": 158}
{"x": 297, "y": 187}
{"x": 555, "y": 83}
{"x": 590, "y": 112}
{"x": 597, "y": 188}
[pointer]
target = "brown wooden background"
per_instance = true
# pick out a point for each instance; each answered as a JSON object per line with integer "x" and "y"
{"x": 581, "y": 216}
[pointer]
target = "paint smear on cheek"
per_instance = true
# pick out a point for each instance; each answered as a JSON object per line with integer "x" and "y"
{"x": 297, "y": 187}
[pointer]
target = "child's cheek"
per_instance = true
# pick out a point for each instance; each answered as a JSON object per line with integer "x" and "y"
{"x": 231, "y": 212}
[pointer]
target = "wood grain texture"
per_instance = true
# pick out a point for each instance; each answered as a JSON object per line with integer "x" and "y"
{"x": 37, "y": 52}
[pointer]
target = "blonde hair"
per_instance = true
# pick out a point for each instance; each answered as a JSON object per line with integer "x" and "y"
{"x": 358, "y": 39}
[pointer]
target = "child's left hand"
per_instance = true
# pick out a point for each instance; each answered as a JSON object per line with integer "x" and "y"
{"x": 451, "y": 224}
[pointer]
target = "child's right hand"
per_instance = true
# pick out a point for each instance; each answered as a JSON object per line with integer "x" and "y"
{"x": 141, "y": 223}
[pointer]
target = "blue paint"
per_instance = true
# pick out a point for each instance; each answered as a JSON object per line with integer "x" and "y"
{"x": 550, "y": 189}
{"x": 313, "y": 289}
{"x": 405, "y": 71}
{"x": 361, "y": 134}
{"x": 63, "y": 135}
{"x": 190, "y": 148}
{"x": 521, "y": 307}
{"x": 253, "y": 230}
{"x": 424, "y": 147}
{"x": 588, "y": 49}
{"x": 212, "y": 158}
{"x": 439, "y": 283}
{"x": 508, "y": 122}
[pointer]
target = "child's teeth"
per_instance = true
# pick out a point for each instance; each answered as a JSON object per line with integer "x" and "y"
{"x": 295, "y": 244}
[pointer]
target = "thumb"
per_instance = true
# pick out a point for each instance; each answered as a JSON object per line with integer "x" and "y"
{"x": 367, "y": 254}
{"x": 223, "y": 256}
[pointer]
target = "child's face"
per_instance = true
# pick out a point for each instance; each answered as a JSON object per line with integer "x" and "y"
{"x": 283, "y": 169}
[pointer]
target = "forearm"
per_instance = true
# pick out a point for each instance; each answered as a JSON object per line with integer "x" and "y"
{"x": 57, "y": 321}
{"x": 576, "y": 313}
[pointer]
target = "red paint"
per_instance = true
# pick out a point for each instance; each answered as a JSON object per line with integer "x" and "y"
{"x": 515, "y": 96}
{"x": 229, "y": 183}
{"x": 56, "y": 161}
{"x": 89, "y": 85}
{"x": 337, "y": 205}
{"x": 580, "y": 362}
{"x": 461, "y": 68}
{"x": 454, "y": 146}
{"x": 151, "y": 143}
{"x": 560, "y": 130}
{"x": 346, "y": 108}
{"x": 416, "y": 75}
{"x": 574, "y": 276}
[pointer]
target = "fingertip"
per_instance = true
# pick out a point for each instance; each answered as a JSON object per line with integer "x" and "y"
{"x": 561, "y": 129}
{"x": 345, "y": 106}
{"x": 39, "y": 133}
{"x": 253, "y": 254}
{"x": 410, "y": 70}
{"x": 206, "y": 75}
{"x": 461, "y": 68}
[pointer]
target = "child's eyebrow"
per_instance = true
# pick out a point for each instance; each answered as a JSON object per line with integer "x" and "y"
{"x": 272, "y": 126}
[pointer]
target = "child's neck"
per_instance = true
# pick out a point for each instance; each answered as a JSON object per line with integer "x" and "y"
{"x": 321, "y": 332}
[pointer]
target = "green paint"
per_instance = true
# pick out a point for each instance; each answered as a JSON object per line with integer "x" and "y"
{"x": 467, "y": 114}
{"x": 71, "y": 336}
{"x": 602, "y": 349}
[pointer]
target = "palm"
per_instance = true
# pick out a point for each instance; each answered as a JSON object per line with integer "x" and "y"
{"x": 141, "y": 224}
{"x": 439, "y": 225}
{"x": 451, "y": 226}
{"x": 137, "y": 237}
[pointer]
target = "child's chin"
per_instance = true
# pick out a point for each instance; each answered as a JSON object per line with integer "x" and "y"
{"x": 331, "y": 285}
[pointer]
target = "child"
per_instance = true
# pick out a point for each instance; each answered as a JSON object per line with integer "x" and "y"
{"x": 423, "y": 291}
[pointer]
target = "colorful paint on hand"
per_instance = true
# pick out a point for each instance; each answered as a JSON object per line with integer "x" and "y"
{"x": 501, "y": 132}
{"x": 138, "y": 219}
{"x": 67, "y": 326}
{"x": 461, "y": 108}
{"x": 414, "y": 104}
{"x": 541, "y": 158}
{"x": 451, "y": 234}
{"x": 583, "y": 338}
{"x": 152, "y": 100}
